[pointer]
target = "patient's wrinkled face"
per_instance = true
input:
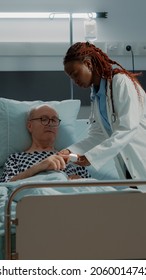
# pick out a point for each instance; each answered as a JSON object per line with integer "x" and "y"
{"x": 43, "y": 124}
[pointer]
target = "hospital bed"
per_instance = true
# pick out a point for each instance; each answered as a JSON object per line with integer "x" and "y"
{"x": 49, "y": 217}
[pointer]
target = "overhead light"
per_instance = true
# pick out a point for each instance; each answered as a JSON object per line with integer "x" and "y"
{"x": 52, "y": 15}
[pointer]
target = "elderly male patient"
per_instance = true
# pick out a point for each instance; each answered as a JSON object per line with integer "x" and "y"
{"x": 42, "y": 124}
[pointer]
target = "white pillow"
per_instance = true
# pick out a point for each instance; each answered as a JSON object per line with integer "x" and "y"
{"x": 14, "y": 136}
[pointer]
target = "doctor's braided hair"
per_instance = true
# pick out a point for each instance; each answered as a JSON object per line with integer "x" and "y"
{"x": 102, "y": 64}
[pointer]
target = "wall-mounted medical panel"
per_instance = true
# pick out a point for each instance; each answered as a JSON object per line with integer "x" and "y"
{"x": 51, "y": 49}
{"x": 48, "y": 56}
{"x": 120, "y": 48}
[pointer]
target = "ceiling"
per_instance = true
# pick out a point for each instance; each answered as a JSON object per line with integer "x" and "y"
{"x": 47, "y": 5}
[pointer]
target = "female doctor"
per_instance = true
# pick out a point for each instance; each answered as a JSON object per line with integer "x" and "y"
{"x": 118, "y": 111}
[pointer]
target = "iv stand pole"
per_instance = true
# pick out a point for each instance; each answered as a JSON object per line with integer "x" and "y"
{"x": 71, "y": 42}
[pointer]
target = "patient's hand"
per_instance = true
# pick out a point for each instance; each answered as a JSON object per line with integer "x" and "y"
{"x": 65, "y": 152}
{"x": 53, "y": 162}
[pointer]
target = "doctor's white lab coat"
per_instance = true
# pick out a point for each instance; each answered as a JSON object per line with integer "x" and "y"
{"x": 127, "y": 117}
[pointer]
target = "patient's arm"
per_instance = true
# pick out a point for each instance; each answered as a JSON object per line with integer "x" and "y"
{"x": 53, "y": 162}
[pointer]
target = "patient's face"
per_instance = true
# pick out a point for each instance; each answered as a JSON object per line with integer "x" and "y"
{"x": 42, "y": 125}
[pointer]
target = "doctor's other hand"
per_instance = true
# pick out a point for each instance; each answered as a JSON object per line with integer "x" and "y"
{"x": 83, "y": 161}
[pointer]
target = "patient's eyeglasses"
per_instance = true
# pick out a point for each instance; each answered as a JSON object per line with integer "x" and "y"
{"x": 52, "y": 122}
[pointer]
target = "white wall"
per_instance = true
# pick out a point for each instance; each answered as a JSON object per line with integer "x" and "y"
{"x": 125, "y": 23}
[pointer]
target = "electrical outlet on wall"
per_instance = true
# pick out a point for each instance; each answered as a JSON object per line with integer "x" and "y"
{"x": 113, "y": 48}
{"x": 119, "y": 48}
{"x": 142, "y": 48}
{"x": 134, "y": 48}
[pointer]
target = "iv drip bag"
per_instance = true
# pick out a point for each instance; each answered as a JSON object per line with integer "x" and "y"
{"x": 90, "y": 30}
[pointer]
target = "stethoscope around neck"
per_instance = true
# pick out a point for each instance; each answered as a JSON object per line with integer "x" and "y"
{"x": 113, "y": 116}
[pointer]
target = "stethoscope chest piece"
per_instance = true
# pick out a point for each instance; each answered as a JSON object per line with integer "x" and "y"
{"x": 113, "y": 117}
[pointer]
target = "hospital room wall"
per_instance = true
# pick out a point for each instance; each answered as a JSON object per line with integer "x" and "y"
{"x": 32, "y": 77}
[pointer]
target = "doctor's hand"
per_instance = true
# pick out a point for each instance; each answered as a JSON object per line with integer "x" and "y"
{"x": 83, "y": 161}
